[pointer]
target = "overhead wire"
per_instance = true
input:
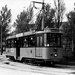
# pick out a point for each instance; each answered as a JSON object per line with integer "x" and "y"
{"x": 34, "y": 16}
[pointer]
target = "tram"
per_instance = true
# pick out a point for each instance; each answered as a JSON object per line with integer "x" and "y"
{"x": 36, "y": 46}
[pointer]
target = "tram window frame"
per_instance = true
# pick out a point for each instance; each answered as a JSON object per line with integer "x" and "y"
{"x": 48, "y": 42}
{"x": 12, "y": 43}
{"x": 45, "y": 39}
{"x": 8, "y": 43}
{"x": 37, "y": 41}
{"x": 21, "y": 41}
{"x": 26, "y": 43}
{"x": 15, "y": 42}
{"x": 40, "y": 40}
{"x": 31, "y": 41}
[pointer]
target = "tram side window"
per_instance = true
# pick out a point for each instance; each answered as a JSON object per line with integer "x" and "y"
{"x": 53, "y": 39}
{"x": 45, "y": 39}
{"x": 39, "y": 41}
{"x": 21, "y": 42}
{"x": 31, "y": 41}
{"x": 58, "y": 40}
{"x": 25, "y": 41}
{"x": 12, "y": 43}
{"x": 8, "y": 43}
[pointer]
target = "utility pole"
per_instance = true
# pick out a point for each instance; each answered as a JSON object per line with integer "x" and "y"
{"x": 43, "y": 16}
{"x": 1, "y": 35}
{"x": 58, "y": 13}
{"x": 57, "y": 7}
{"x": 42, "y": 12}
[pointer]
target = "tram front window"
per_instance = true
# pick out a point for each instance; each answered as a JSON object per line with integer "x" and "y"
{"x": 53, "y": 39}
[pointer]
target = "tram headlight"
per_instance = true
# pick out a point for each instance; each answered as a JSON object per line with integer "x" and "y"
{"x": 47, "y": 45}
{"x": 55, "y": 54}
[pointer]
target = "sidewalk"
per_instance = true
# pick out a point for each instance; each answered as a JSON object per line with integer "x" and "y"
{"x": 3, "y": 58}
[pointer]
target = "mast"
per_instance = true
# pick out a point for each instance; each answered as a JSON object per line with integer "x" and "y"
{"x": 58, "y": 14}
{"x": 43, "y": 15}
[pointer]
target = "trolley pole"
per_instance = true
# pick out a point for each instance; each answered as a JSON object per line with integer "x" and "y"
{"x": 42, "y": 12}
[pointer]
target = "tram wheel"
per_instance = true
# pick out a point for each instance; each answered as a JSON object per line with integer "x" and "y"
{"x": 52, "y": 63}
{"x": 11, "y": 58}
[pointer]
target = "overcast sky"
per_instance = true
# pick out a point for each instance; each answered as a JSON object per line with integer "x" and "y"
{"x": 17, "y": 6}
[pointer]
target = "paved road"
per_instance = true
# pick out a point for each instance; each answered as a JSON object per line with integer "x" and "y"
{"x": 15, "y": 68}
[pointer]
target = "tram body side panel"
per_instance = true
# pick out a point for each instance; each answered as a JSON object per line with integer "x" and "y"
{"x": 11, "y": 52}
{"x": 49, "y": 53}
{"x": 35, "y": 53}
{"x": 27, "y": 52}
{"x": 41, "y": 53}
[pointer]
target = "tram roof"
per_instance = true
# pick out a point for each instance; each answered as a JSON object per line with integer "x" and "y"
{"x": 47, "y": 30}
{"x": 15, "y": 36}
{"x": 9, "y": 37}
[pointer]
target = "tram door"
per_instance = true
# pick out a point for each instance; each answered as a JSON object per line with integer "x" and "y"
{"x": 39, "y": 45}
{"x": 17, "y": 48}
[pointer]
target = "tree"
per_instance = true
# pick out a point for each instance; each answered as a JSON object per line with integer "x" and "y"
{"x": 5, "y": 19}
{"x": 48, "y": 18}
{"x": 60, "y": 9}
{"x": 69, "y": 29}
{"x": 22, "y": 21}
